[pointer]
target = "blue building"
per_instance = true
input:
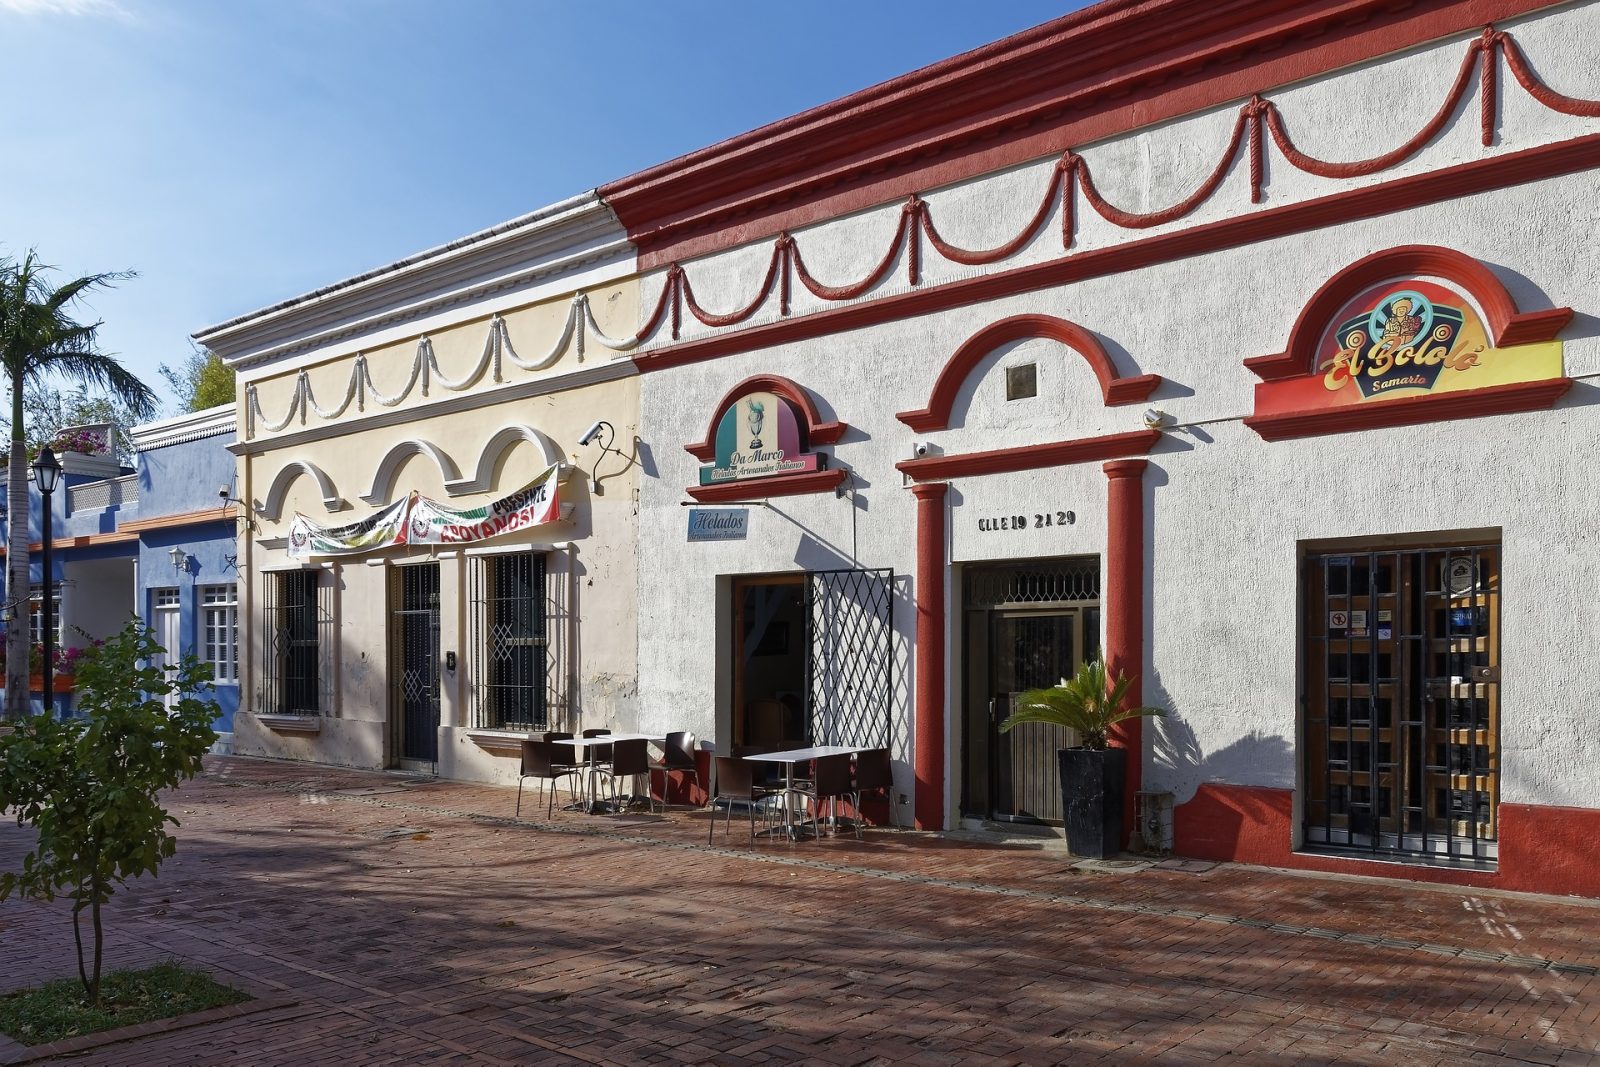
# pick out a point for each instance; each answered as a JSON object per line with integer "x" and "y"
{"x": 155, "y": 541}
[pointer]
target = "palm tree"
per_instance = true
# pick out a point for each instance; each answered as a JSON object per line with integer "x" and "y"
{"x": 39, "y": 338}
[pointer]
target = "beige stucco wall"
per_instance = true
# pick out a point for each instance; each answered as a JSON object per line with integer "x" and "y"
{"x": 445, "y": 434}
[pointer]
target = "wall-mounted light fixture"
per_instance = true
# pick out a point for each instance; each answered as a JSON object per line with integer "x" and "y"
{"x": 179, "y": 558}
{"x": 590, "y": 436}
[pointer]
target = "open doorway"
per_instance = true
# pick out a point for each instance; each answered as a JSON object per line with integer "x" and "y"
{"x": 769, "y": 662}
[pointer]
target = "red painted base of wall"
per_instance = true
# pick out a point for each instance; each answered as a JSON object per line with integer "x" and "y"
{"x": 681, "y": 788}
{"x": 1542, "y": 849}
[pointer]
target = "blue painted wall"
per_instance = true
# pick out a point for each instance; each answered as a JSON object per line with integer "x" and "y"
{"x": 173, "y": 480}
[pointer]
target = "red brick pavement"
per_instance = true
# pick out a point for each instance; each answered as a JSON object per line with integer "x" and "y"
{"x": 397, "y": 921}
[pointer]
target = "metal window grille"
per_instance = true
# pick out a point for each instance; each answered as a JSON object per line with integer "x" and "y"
{"x": 850, "y": 657}
{"x": 516, "y": 665}
{"x": 1044, "y": 581}
{"x": 297, "y": 675}
{"x": 1402, "y": 701}
{"x": 219, "y": 606}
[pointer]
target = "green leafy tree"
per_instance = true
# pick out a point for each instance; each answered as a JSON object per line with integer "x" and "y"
{"x": 91, "y": 787}
{"x": 201, "y": 381}
{"x": 39, "y": 339}
{"x": 1085, "y": 703}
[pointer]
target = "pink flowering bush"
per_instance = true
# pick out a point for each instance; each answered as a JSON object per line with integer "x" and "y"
{"x": 85, "y": 442}
{"x": 67, "y": 660}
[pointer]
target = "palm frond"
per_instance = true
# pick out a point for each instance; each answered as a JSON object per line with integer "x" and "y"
{"x": 104, "y": 372}
{"x": 1086, "y": 703}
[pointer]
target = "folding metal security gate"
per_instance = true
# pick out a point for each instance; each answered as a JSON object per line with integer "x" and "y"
{"x": 850, "y": 656}
{"x": 414, "y": 658}
{"x": 1401, "y": 691}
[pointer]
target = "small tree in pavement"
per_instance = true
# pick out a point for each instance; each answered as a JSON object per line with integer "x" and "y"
{"x": 91, "y": 786}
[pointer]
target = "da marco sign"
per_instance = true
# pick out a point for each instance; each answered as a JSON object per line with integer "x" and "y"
{"x": 759, "y": 437}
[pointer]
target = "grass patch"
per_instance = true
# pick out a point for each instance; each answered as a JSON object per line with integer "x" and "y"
{"x": 61, "y": 1009}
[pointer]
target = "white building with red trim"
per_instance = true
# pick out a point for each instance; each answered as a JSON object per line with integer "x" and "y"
{"x": 1252, "y": 343}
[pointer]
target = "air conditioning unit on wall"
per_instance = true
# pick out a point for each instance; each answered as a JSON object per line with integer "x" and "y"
{"x": 1153, "y": 822}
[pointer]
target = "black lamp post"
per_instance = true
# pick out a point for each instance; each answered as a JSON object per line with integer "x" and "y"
{"x": 46, "y": 474}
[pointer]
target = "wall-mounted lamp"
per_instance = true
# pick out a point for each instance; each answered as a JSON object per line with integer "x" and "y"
{"x": 179, "y": 558}
{"x": 589, "y": 437}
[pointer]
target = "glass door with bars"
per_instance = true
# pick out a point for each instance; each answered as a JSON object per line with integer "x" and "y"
{"x": 1028, "y": 626}
{"x": 1401, "y": 701}
{"x": 414, "y": 658}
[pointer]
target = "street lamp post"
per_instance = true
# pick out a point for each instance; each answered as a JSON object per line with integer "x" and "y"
{"x": 46, "y": 474}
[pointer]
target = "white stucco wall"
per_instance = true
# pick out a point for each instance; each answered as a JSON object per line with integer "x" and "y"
{"x": 1226, "y": 511}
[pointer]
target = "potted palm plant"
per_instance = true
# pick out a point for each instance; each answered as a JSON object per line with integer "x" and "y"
{"x": 1092, "y": 774}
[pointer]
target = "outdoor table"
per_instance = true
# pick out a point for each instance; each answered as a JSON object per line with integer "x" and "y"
{"x": 588, "y": 745}
{"x": 789, "y": 758}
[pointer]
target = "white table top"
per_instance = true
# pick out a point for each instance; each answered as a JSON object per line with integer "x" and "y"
{"x": 796, "y": 755}
{"x": 606, "y": 739}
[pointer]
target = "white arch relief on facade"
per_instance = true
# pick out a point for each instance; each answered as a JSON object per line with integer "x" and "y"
{"x": 279, "y": 490}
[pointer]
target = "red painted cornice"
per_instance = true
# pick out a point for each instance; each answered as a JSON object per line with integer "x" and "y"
{"x": 1467, "y": 404}
{"x": 1114, "y": 390}
{"x": 818, "y": 432}
{"x": 823, "y": 481}
{"x": 1349, "y": 205}
{"x": 1030, "y": 457}
{"x": 1113, "y": 67}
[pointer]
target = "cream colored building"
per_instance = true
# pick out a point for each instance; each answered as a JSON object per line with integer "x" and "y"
{"x": 457, "y": 378}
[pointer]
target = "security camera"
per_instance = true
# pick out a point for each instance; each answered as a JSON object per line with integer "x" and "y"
{"x": 920, "y": 449}
{"x": 1155, "y": 418}
{"x": 223, "y": 491}
{"x": 591, "y": 433}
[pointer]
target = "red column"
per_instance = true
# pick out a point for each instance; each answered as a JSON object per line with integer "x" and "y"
{"x": 930, "y": 748}
{"x": 1124, "y": 608}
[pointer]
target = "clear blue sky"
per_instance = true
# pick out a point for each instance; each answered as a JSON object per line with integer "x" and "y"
{"x": 238, "y": 152}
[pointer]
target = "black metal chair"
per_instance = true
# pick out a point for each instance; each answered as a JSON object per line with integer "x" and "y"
{"x": 734, "y": 781}
{"x": 629, "y": 759}
{"x": 539, "y": 761}
{"x": 875, "y": 774}
{"x": 678, "y": 754}
{"x": 831, "y": 778}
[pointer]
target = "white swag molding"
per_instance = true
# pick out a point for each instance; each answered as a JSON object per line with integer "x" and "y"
{"x": 579, "y": 328}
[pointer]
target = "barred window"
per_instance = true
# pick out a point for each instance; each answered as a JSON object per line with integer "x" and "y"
{"x": 510, "y": 642}
{"x": 219, "y": 605}
{"x": 296, "y": 671}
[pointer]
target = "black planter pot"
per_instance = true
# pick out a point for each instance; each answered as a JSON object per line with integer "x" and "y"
{"x": 1091, "y": 800}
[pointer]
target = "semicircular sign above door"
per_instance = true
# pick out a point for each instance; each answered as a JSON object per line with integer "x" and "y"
{"x": 759, "y": 436}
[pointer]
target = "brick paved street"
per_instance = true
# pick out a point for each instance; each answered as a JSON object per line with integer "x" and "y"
{"x": 386, "y": 920}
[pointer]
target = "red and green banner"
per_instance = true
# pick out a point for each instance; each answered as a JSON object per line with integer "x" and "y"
{"x": 434, "y": 524}
{"x": 382, "y": 530}
{"x": 1406, "y": 338}
{"x": 418, "y": 520}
